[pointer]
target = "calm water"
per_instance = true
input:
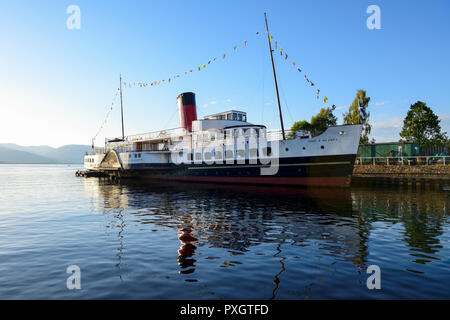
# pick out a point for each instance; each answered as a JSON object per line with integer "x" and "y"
{"x": 186, "y": 241}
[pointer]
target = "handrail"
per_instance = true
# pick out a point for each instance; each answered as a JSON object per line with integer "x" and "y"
{"x": 404, "y": 160}
{"x": 148, "y": 135}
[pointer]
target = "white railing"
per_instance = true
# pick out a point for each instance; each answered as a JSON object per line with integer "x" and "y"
{"x": 155, "y": 134}
{"x": 404, "y": 160}
{"x": 275, "y": 135}
{"x": 95, "y": 151}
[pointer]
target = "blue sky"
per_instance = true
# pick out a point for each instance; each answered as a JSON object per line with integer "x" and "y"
{"x": 56, "y": 84}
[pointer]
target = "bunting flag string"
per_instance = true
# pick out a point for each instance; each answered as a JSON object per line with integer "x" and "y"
{"x": 199, "y": 68}
{"x": 308, "y": 81}
{"x": 283, "y": 55}
{"x": 107, "y": 116}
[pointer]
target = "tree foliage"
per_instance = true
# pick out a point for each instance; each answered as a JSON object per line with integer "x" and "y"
{"x": 318, "y": 124}
{"x": 422, "y": 125}
{"x": 354, "y": 116}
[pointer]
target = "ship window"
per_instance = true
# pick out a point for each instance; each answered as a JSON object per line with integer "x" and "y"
{"x": 229, "y": 116}
{"x": 239, "y": 116}
{"x": 244, "y": 117}
{"x": 229, "y": 154}
{"x": 322, "y": 147}
{"x": 253, "y": 152}
{"x": 218, "y": 155}
{"x": 213, "y": 137}
{"x": 207, "y": 155}
{"x": 234, "y": 116}
{"x": 189, "y": 156}
{"x": 240, "y": 153}
{"x": 198, "y": 156}
{"x": 180, "y": 154}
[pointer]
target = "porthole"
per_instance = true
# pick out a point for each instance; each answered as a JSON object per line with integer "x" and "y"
{"x": 287, "y": 149}
{"x": 304, "y": 148}
{"x": 322, "y": 147}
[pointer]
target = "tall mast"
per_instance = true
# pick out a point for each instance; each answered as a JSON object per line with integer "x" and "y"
{"x": 121, "y": 107}
{"x": 275, "y": 78}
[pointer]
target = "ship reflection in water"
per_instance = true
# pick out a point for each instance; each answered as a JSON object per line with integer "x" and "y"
{"x": 205, "y": 241}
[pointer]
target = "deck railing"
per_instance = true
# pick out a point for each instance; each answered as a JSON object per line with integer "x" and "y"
{"x": 404, "y": 160}
{"x": 150, "y": 135}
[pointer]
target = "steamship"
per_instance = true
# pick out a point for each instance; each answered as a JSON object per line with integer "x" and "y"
{"x": 227, "y": 148}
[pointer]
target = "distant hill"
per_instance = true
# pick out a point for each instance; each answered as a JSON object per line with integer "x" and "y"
{"x": 13, "y": 153}
{"x": 72, "y": 153}
{"x": 17, "y": 156}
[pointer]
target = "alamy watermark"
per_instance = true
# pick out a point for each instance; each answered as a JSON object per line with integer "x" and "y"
{"x": 74, "y": 280}
{"x": 73, "y": 22}
{"x": 374, "y": 20}
{"x": 235, "y": 147}
{"x": 374, "y": 280}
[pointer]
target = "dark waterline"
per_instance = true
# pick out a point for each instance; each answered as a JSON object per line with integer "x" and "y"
{"x": 190, "y": 241}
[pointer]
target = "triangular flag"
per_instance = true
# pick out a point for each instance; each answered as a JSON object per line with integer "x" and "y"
{"x": 285, "y": 58}
{"x": 224, "y": 55}
{"x": 325, "y": 99}
{"x": 275, "y": 45}
{"x": 293, "y": 62}
{"x": 234, "y": 47}
{"x": 245, "y": 43}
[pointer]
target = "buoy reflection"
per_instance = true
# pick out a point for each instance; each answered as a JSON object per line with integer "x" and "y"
{"x": 186, "y": 251}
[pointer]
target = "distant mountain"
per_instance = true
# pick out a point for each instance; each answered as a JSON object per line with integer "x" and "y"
{"x": 39, "y": 150}
{"x": 13, "y": 153}
{"x": 17, "y": 156}
{"x": 72, "y": 153}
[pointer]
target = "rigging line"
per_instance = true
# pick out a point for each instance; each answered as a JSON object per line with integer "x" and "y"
{"x": 107, "y": 114}
{"x": 170, "y": 119}
{"x": 263, "y": 77}
{"x": 226, "y": 54}
{"x": 285, "y": 100}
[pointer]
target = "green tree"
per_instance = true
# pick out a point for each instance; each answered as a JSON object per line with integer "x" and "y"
{"x": 422, "y": 125}
{"x": 319, "y": 123}
{"x": 354, "y": 116}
